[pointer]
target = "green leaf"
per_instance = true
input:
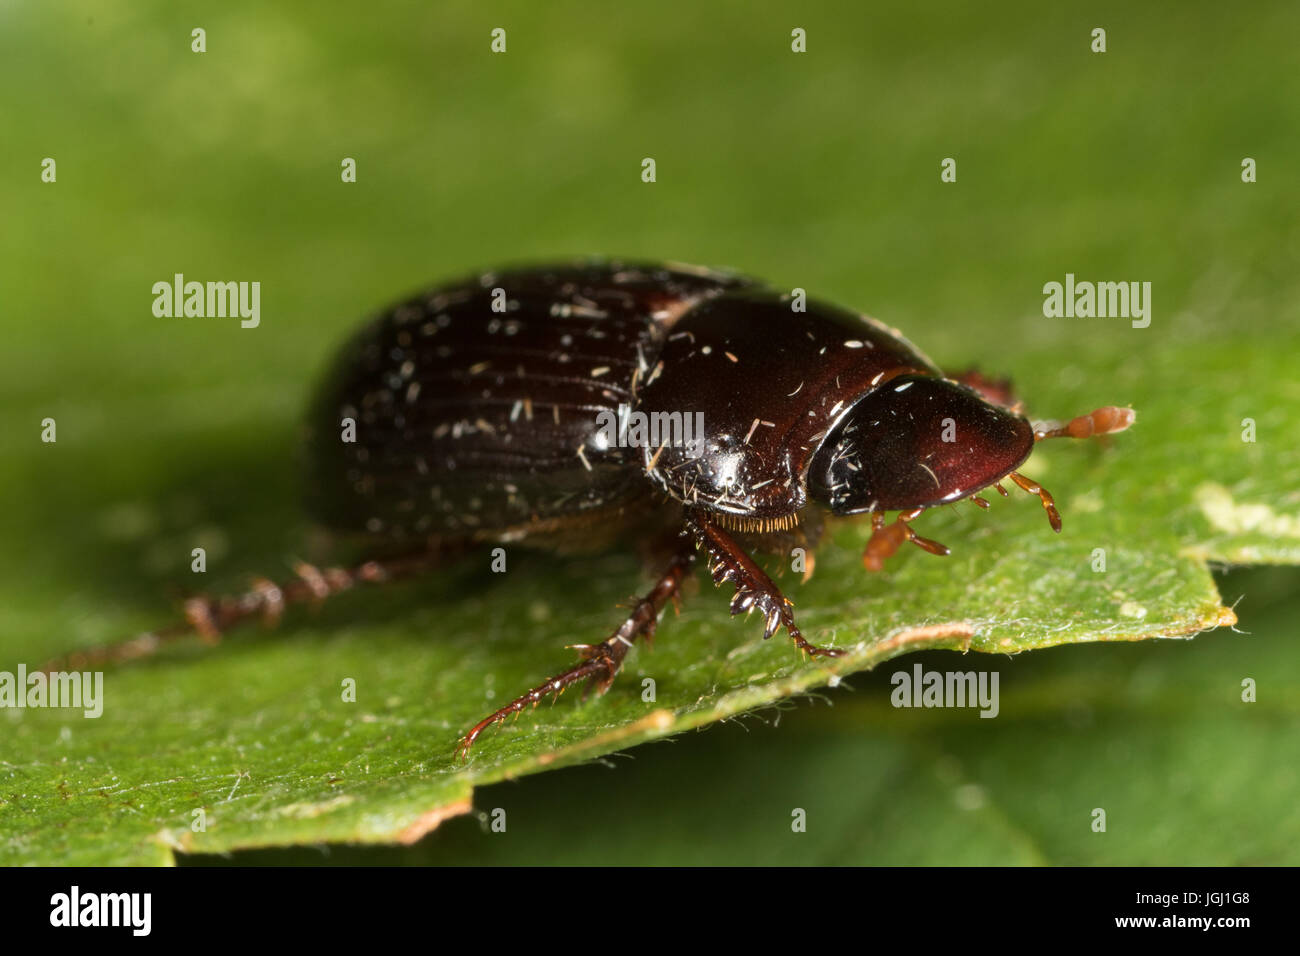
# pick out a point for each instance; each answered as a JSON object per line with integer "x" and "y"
{"x": 1154, "y": 732}
{"x": 257, "y": 735}
{"x": 174, "y": 434}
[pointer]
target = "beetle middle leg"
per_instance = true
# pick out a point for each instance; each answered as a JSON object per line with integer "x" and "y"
{"x": 601, "y": 662}
{"x": 754, "y": 589}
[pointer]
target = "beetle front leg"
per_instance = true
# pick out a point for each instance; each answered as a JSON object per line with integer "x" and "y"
{"x": 601, "y": 662}
{"x": 754, "y": 589}
{"x": 886, "y": 539}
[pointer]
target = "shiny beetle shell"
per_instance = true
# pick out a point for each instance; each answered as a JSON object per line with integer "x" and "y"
{"x": 476, "y": 408}
{"x": 483, "y": 423}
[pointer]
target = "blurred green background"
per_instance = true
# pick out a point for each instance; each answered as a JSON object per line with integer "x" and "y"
{"x": 818, "y": 170}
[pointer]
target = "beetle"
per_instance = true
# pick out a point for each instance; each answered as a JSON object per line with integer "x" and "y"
{"x": 479, "y": 412}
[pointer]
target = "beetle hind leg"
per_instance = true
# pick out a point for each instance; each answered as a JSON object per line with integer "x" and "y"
{"x": 211, "y": 617}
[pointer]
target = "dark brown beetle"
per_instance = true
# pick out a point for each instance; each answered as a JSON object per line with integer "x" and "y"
{"x": 480, "y": 413}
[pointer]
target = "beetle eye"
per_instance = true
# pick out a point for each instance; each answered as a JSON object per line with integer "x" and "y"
{"x": 914, "y": 442}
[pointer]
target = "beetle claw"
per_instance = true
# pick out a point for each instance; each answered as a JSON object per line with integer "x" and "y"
{"x": 773, "y": 622}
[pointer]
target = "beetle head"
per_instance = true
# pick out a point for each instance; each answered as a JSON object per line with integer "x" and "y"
{"x": 914, "y": 442}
